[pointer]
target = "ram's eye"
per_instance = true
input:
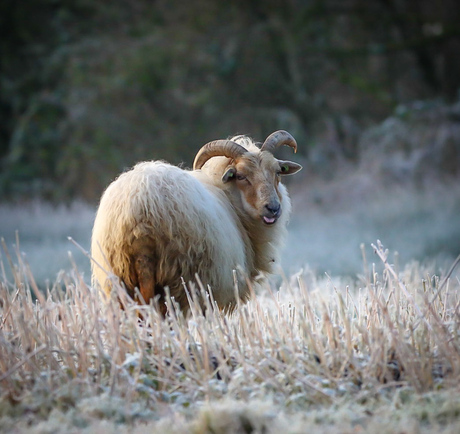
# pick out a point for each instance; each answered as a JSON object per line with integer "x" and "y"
{"x": 284, "y": 168}
{"x": 240, "y": 177}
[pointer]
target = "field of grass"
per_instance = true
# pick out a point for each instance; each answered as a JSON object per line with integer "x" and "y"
{"x": 314, "y": 354}
{"x": 350, "y": 339}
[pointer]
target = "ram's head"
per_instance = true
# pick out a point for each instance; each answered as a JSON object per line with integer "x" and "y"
{"x": 255, "y": 174}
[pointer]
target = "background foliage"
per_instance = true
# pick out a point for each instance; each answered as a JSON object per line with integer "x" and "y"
{"x": 89, "y": 88}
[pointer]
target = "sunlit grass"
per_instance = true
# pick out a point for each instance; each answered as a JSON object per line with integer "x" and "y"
{"x": 317, "y": 353}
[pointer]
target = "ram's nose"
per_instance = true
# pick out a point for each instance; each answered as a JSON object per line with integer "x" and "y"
{"x": 273, "y": 212}
{"x": 274, "y": 209}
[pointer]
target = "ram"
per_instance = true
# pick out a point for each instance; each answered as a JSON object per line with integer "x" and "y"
{"x": 160, "y": 226}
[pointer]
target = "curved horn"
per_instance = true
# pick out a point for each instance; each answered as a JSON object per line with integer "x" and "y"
{"x": 225, "y": 148}
{"x": 277, "y": 139}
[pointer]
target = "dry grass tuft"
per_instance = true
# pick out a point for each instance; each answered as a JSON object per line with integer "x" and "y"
{"x": 383, "y": 354}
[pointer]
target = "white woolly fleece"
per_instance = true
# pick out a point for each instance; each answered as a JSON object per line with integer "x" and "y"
{"x": 196, "y": 224}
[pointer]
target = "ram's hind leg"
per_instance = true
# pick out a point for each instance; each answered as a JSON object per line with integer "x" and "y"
{"x": 144, "y": 262}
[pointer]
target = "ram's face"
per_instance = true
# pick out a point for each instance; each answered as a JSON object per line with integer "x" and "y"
{"x": 254, "y": 172}
{"x": 257, "y": 177}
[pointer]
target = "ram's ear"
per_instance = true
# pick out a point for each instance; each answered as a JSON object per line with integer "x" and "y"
{"x": 288, "y": 167}
{"x": 229, "y": 174}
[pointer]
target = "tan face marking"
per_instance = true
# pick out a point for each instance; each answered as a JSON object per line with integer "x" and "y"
{"x": 257, "y": 179}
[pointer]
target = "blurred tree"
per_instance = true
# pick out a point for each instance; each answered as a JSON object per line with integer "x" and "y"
{"x": 32, "y": 112}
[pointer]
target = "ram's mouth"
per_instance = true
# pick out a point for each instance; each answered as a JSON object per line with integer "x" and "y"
{"x": 269, "y": 220}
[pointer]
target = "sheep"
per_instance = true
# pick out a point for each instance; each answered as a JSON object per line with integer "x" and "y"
{"x": 159, "y": 226}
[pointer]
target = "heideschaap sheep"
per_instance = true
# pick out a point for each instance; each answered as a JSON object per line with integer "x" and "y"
{"x": 159, "y": 226}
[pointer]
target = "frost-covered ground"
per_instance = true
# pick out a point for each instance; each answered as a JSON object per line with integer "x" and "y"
{"x": 43, "y": 231}
{"x": 319, "y": 355}
{"x": 363, "y": 348}
{"x": 332, "y": 221}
